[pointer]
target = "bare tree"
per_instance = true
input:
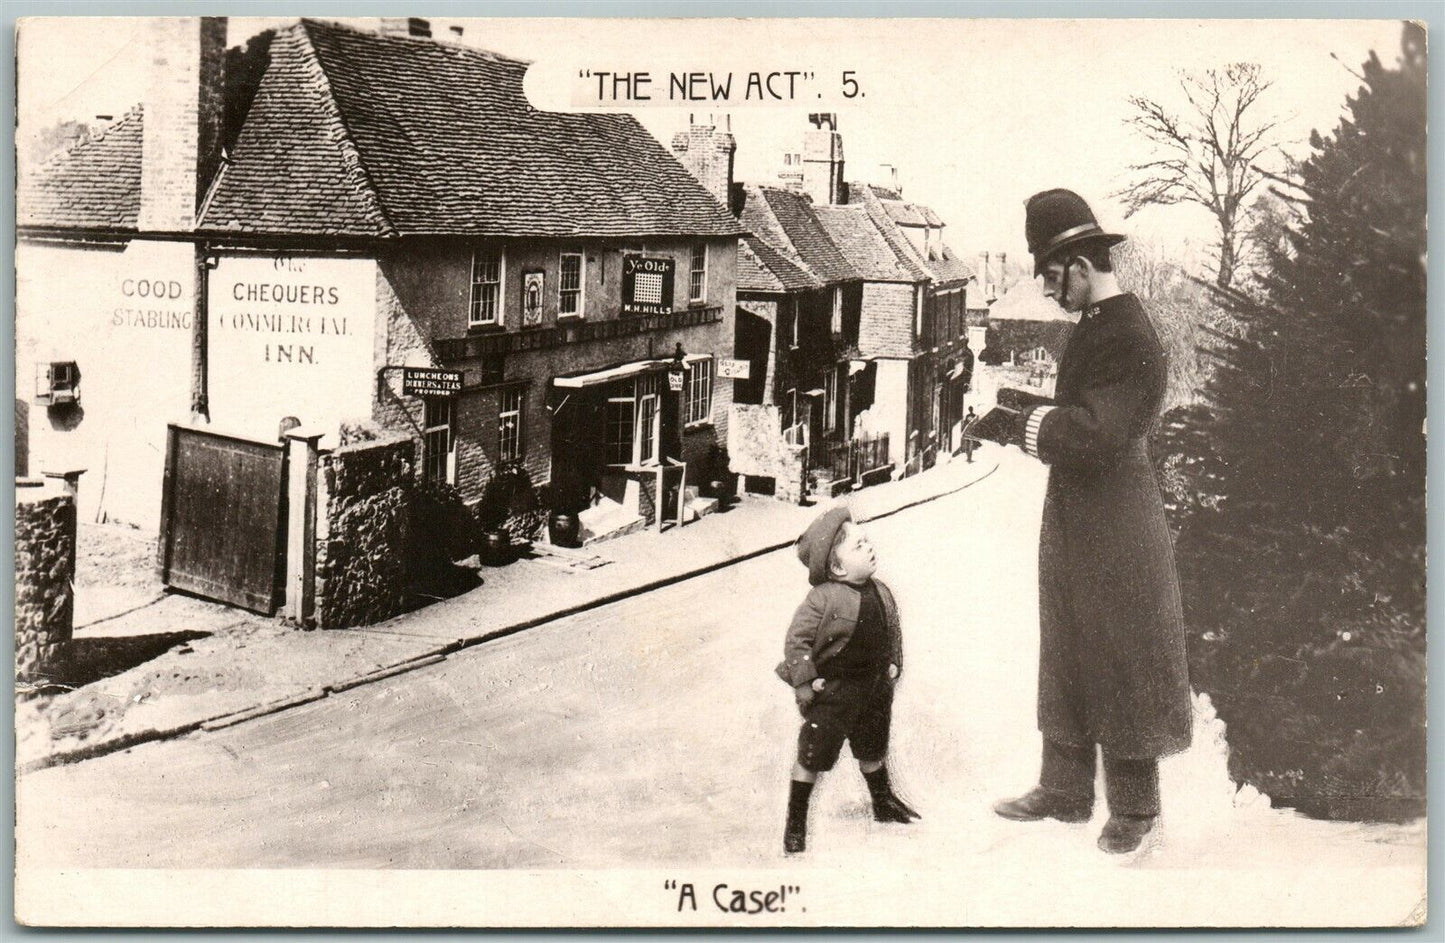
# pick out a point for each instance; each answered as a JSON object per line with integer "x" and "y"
{"x": 1206, "y": 153}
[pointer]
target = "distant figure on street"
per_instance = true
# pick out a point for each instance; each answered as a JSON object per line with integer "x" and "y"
{"x": 969, "y": 442}
{"x": 842, "y": 657}
{"x": 1112, "y": 668}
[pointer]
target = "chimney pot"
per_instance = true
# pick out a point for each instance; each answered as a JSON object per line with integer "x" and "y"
{"x": 456, "y": 30}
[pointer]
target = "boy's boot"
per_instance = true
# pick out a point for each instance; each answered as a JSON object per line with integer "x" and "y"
{"x": 795, "y": 834}
{"x": 887, "y": 807}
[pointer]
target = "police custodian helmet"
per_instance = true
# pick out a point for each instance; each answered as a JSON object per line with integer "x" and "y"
{"x": 1054, "y": 220}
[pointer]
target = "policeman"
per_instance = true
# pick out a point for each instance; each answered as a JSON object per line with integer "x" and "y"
{"x": 1112, "y": 667}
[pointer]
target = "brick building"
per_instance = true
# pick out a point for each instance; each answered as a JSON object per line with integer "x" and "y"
{"x": 851, "y": 309}
{"x": 1026, "y": 336}
{"x": 304, "y": 227}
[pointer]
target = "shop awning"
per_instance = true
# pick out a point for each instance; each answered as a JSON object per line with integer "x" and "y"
{"x": 610, "y": 375}
{"x": 623, "y": 372}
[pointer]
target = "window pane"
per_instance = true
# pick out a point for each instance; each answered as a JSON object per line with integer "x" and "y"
{"x": 699, "y": 392}
{"x": 437, "y": 439}
{"x": 699, "y": 272}
{"x": 509, "y": 424}
{"x": 619, "y": 431}
{"x": 647, "y": 428}
{"x": 570, "y": 293}
{"x": 486, "y": 287}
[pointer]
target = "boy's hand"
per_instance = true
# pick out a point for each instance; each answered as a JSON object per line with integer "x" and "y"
{"x": 892, "y": 672}
{"x": 818, "y": 684}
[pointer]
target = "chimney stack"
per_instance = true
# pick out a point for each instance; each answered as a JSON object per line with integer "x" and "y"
{"x": 184, "y": 104}
{"x": 888, "y": 174}
{"x": 823, "y": 160}
{"x": 414, "y": 26}
{"x": 708, "y": 155}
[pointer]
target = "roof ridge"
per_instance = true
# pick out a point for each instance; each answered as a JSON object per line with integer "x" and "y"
{"x": 397, "y": 37}
{"x": 909, "y": 257}
{"x": 357, "y": 164}
{"x": 788, "y": 250}
{"x": 62, "y": 153}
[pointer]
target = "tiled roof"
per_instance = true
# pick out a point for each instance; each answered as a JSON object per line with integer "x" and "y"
{"x": 425, "y": 137}
{"x": 792, "y": 215}
{"x": 294, "y": 168}
{"x": 93, "y": 185}
{"x": 357, "y": 134}
{"x": 861, "y": 242}
{"x": 948, "y": 267}
{"x": 905, "y": 214}
{"x": 882, "y": 193}
{"x": 763, "y": 268}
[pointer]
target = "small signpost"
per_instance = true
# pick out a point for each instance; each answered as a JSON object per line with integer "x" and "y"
{"x": 735, "y": 369}
{"x": 425, "y": 381}
{"x": 674, "y": 380}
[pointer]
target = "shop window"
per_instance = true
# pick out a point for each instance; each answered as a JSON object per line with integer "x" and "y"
{"x": 569, "y": 299}
{"x": 437, "y": 441}
{"x": 486, "y": 299}
{"x": 509, "y": 424}
{"x": 634, "y": 426}
{"x": 699, "y": 272}
{"x": 699, "y": 391}
{"x": 648, "y": 424}
{"x": 620, "y": 415}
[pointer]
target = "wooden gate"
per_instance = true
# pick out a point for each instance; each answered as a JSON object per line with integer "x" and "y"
{"x": 222, "y": 532}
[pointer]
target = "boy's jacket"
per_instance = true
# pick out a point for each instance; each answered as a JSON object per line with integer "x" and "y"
{"x": 825, "y": 622}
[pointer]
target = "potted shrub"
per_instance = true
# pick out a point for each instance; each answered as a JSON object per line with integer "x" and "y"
{"x": 508, "y": 513}
{"x": 442, "y": 531}
{"x": 564, "y": 526}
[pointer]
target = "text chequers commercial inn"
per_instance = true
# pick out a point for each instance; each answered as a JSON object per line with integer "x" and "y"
{"x": 341, "y": 226}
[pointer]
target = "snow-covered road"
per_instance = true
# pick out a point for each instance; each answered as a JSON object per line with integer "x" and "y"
{"x": 652, "y": 734}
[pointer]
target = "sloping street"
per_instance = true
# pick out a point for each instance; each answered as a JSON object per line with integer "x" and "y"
{"x": 652, "y": 733}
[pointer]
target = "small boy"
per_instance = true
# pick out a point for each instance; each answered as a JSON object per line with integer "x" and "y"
{"x": 842, "y": 657}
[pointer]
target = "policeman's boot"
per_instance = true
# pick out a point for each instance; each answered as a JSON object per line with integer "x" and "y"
{"x": 887, "y": 807}
{"x": 1125, "y": 833}
{"x": 1042, "y": 802}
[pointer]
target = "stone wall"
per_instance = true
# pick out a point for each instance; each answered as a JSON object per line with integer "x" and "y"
{"x": 361, "y": 530}
{"x": 756, "y": 447}
{"x": 44, "y": 577}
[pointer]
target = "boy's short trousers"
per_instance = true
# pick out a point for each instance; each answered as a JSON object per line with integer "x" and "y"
{"x": 859, "y": 710}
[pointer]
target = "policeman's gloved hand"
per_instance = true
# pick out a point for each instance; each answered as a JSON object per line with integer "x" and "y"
{"x": 803, "y": 693}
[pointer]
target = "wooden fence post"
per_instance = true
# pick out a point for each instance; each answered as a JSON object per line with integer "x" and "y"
{"x": 301, "y": 462}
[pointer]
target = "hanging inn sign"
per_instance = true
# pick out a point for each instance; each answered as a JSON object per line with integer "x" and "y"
{"x": 423, "y": 381}
{"x": 646, "y": 284}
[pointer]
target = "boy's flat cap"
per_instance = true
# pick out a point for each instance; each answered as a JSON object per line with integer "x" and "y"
{"x": 815, "y": 544}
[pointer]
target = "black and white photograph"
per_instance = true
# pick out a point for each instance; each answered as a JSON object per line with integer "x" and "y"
{"x": 720, "y": 472}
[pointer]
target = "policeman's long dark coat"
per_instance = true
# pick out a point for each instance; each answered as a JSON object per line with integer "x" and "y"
{"x": 1112, "y": 667}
